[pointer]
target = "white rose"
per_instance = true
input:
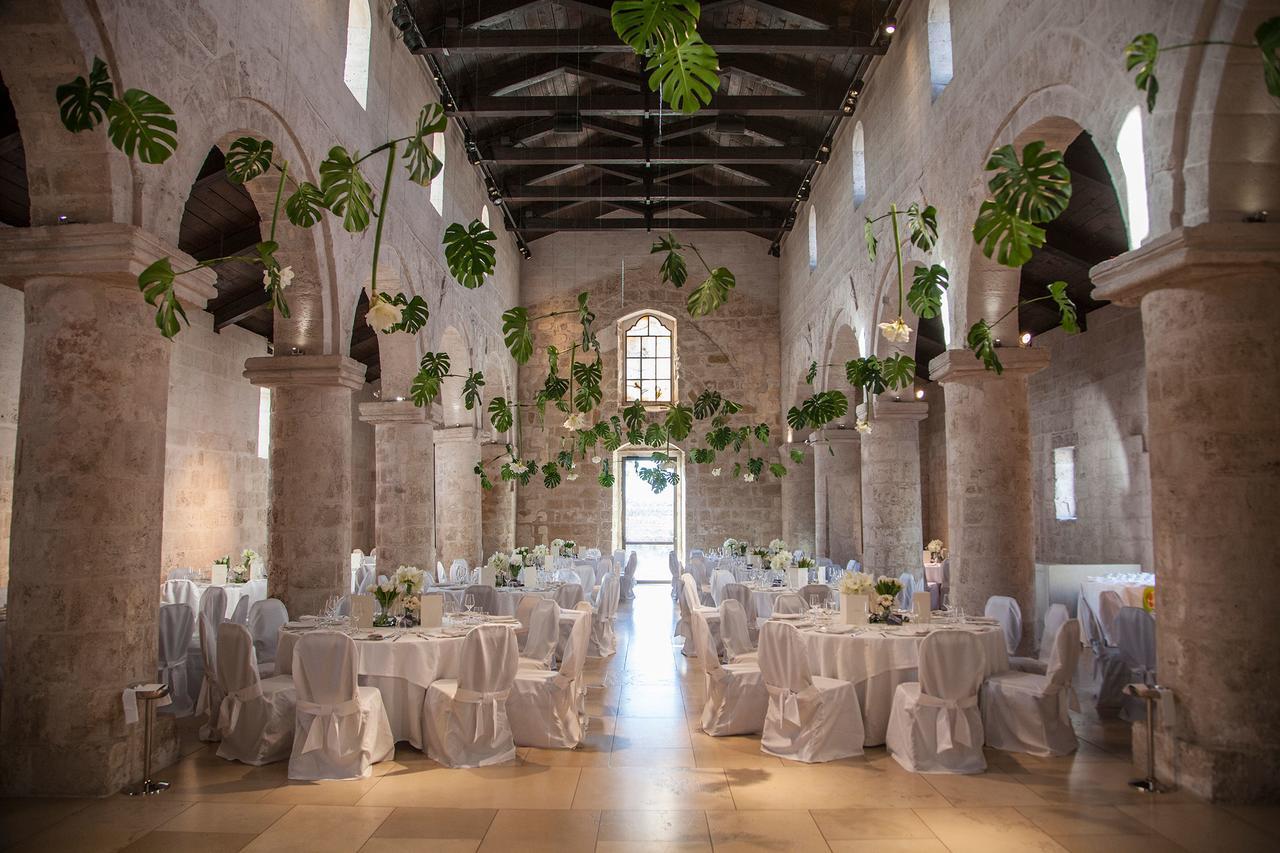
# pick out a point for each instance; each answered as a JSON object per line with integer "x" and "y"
{"x": 382, "y": 315}
{"x": 896, "y": 332}
{"x": 577, "y": 420}
{"x": 595, "y": 460}
{"x": 748, "y": 477}
{"x": 715, "y": 472}
{"x": 863, "y": 426}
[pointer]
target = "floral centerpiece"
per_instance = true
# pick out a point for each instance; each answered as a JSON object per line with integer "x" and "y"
{"x": 856, "y": 583}
{"x": 502, "y": 568}
{"x": 856, "y": 589}
{"x": 805, "y": 563}
{"x": 779, "y": 561}
{"x": 406, "y": 583}
{"x": 563, "y": 547}
{"x": 778, "y": 545}
{"x": 242, "y": 572}
{"x": 887, "y": 590}
{"x": 935, "y": 549}
{"x": 539, "y": 553}
{"x": 734, "y": 547}
{"x": 386, "y": 591}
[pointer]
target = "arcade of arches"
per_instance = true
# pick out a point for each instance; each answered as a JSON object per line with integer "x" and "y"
{"x": 1149, "y": 442}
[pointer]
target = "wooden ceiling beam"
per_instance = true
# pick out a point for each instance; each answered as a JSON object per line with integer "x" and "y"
{"x": 591, "y": 155}
{"x": 639, "y": 105}
{"x": 239, "y": 308}
{"x": 632, "y": 192}
{"x": 761, "y": 223}
{"x": 530, "y": 70}
{"x": 439, "y": 41}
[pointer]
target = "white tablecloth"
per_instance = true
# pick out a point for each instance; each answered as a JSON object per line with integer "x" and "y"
{"x": 256, "y": 590}
{"x": 876, "y": 660}
{"x": 1091, "y": 590}
{"x": 508, "y": 596}
{"x": 764, "y": 598}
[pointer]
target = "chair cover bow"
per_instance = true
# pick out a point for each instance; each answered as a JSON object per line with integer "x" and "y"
{"x": 237, "y": 698}
{"x": 952, "y": 726}
{"x": 328, "y": 725}
{"x": 791, "y": 700}
{"x": 473, "y": 697}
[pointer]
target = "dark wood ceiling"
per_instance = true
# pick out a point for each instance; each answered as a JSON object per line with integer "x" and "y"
{"x": 1090, "y": 231}
{"x": 560, "y": 118}
{"x": 15, "y": 202}
{"x": 364, "y": 341}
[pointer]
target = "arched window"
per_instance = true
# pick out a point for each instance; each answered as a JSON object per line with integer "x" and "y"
{"x": 484, "y": 216}
{"x": 859, "y": 166}
{"x": 436, "y": 193}
{"x": 649, "y": 368}
{"x": 939, "y": 45}
{"x": 813, "y": 238}
{"x": 355, "y": 72}
{"x": 1134, "y": 163}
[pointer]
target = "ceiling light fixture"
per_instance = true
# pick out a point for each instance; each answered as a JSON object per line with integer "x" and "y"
{"x": 890, "y": 25}
{"x": 1026, "y": 339}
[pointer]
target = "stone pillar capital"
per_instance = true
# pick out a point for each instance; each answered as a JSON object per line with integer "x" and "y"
{"x": 1192, "y": 256}
{"x": 893, "y": 410}
{"x": 455, "y": 434}
{"x": 112, "y": 253}
{"x": 960, "y": 365}
{"x": 838, "y": 435}
{"x": 394, "y": 412}
{"x": 285, "y": 370}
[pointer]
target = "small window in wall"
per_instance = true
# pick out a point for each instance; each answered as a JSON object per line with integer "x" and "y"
{"x": 939, "y": 45}
{"x": 1134, "y": 163}
{"x": 650, "y": 370}
{"x": 859, "y": 166}
{"x": 813, "y": 238}
{"x": 437, "y": 183}
{"x": 484, "y": 216}
{"x": 355, "y": 71}
{"x": 1064, "y": 483}
{"x": 264, "y": 423}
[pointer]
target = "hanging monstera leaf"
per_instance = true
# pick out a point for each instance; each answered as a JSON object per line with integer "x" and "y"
{"x": 685, "y": 72}
{"x": 983, "y": 345}
{"x": 345, "y": 190}
{"x": 673, "y": 269}
{"x": 139, "y": 122}
{"x": 927, "y": 287}
{"x": 1066, "y": 308}
{"x": 1004, "y": 236}
{"x": 247, "y": 158}
{"x": 501, "y": 414}
{"x": 1141, "y": 53}
{"x": 1267, "y": 36}
{"x": 679, "y": 422}
{"x": 423, "y": 164}
{"x": 899, "y": 371}
{"x": 644, "y": 23}
{"x": 711, "y": 294}
{"x": 1036, "y": 188}
{"x": 83, "y": 103}
{"x": 305, "y": 206}
{"x": 517, "y": 335}
{"x": 471, "y": 389}
{"x": 922, "y": 226}
{"x": 469, "y": 252}
{"x": 156, "y": 284}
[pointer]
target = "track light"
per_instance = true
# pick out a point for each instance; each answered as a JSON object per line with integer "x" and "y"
{"x": 890, "y": 25}
{"x": 919, "y": 393}
{"x": 857, "y": 87}
{"x": 776, "y": 250}
{"x": 401, "y": 16}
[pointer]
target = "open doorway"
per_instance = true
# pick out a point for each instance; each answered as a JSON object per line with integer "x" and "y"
{"x": 648, "y": 523}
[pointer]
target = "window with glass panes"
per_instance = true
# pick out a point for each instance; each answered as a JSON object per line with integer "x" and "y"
{"x": 650, "y": 372}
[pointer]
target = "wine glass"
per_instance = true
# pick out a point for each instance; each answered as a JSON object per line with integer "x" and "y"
{"x": 469, "y": 602}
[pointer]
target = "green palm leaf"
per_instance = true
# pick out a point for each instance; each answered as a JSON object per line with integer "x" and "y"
{"x": 899, "y": 371}
{"x": 471, "y": 388}
{"x": 983, "y": 345}
{"x": 1037, "y": 188}
{"x": 305, "y": 206}
{"x": 927, "y": 286}
{"x": 346, "y": 192}
{"x": 424, "y": 165}
{"x": 469, "y": 252}
{"x": 922, "y": 225}
{"x": 679, "y": 422}
{"x": 711, "y": 294}
{"x": 1004, "y": 236}
{"x": 501, "y": 414}
{"x": 1066, "y": 308}
{"x": 1141, "y": 53}
{"x": 156, "y": 284}
{"x": 641, "y": 23}
{"x": 685, "y": 72}
{"x": 247, "y": 158}
{"x": 777, "y": 469}
{"x": 82, "y": 103}
{"x": 673, "y": 269}
{"x": 139, "y": 122}
{"x": 517, "y": 335}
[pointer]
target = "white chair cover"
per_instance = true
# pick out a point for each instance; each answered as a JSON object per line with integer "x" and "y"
{"x": 459, "y": 571}
{"x": 569, "y": 595}
{"x": 937, "y": 577}
{"x": 177, "y": 622}
{"x": 1024, "y": 712}
{"x": 1135, "y": 636}
{"x": 569, "y": 576}
{"x": 821, "y": 590}
{"x": 688, "y": 603}
{"x": 676, "y": 570}
{"x": 240, "y": 615}
{"x": 736, "y": 700}
{"x": 1009, "y": 614}
{"x": 627, "y": 590}
{"x": 1054, "y": 618}
{"x": 739, "y": 593}
{"x": 266, "y": 618}
{"x": 603, "y": 640}
{"x": 586, "y": 570}
{"x": 486, "y": 598}
{"x": 719, "y": 578}
{"x": 935, "y": 725}
{"x": 466, "y": 719}
{"x": 180, "y": 592}
{"x": 1110, "y": 604}
{"x": 442, "y": 576}
{"x": 824, "y": 561}
{"x": 547, "y": 709}
{"x": 733, "y": 630}
{"x": 524, "y": 610}
{"x": 210, "y": 698}
{"x": 213, "y": 603}
{"x": 342, "y": 729}
{"x": 256, "y": 719}
{"x": 810, "y": 718}
{"x": 357, "y": 559}
{"x": 180, "y": 574}
{"x": 365, "y": 579}
{"x": 544, "y": 630}
{"x": 789, "y": 602}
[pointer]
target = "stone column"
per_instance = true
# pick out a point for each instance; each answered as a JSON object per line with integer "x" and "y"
{"x": 458, "y": 504}
{"x": 798, "y": 501}
{"x": 892, "y": 539}
{"x": 498, "y": 509}
{"x": 88, "y": 505}
{"x": 404, "y": 452}
{"x": 990, "y": 517}
{"x": 837, "y": 474}
{"x": 1210, "y": 300}
{"x": 309, "y": 519}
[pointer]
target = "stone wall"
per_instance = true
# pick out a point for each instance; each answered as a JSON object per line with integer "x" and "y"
{"x": 734, "y": 350}
{"x": 10, "y": 379}
{"x": 933, "y": 465}
{"x": 1093, "y": 396}
{"x": 363, "y": 474}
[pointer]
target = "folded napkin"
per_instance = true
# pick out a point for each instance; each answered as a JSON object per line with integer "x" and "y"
{"x": 130, "y": 700}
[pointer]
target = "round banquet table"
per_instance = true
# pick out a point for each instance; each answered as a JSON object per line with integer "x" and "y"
{"x": 1130, "y": 589}
{"x": 876, "y": 659}
{"x": 255, "y": 590}
{"x": 508, "y": 596}
{"x": 402, "y": 666}
{"x": 765, "y": 597}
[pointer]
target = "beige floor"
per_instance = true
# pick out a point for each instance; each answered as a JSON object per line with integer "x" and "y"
{"x": 648, "y": 780}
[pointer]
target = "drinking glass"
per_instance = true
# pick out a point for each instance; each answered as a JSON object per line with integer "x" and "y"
{"x": 469, "y": 602}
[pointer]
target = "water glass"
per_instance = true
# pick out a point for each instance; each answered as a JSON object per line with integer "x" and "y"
{"x": 469, "y": 602}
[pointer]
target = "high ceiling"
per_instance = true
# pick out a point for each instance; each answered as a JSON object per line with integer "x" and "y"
{"x": 14, "y": 200}
{"x": 559, "y": 116}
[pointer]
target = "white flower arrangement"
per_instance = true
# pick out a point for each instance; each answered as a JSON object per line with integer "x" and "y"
{"x": 715, "y": 472}
{"x": 517, "y": 559}
{"x": 540, "y": 551}
{"x": 748, "y": 477}
{"x": 778, "y": 545}
{"x": 934, "y": 546}
{"x": 857, "y": 583}
{"x": 863, "y": 426}
{"x": 499, "y": 562}
{"x": 567, "y": 548}
{"x": 410, "y": 579}
{"x": 518, "y": 467}
{"x": 780, "y": 561}
{"x": 557, "y": 544}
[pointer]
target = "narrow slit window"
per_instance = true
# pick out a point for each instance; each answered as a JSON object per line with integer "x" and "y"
{"x": 813, "y": 238}
{"x": 264, "y": 423}
{"x": 436, "y": 193}
{"x": 1064, "y": 483}
{"x": 355, "y": 71}
{"x": 939, "y": 45}
{"x": 859, "y": 166}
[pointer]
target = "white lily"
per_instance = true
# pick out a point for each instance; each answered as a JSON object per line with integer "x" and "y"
{"x": 896, "y": 332}
{"x": 863, "y": 426}
{"x": 715, "y": 472}
{"x": 577, "y": 420}
{"x": 382, "y": 315}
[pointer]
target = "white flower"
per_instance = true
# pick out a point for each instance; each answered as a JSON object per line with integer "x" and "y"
{"x": 518, "y": 467}
{"x": 779, "y": 561}
{"x": 863, "y": 426}
{"x": 778, "y": 545}
{"x": 499, "y": 562}
{"x": 856, "y": 583}
{"x": 748, "y": 477}
{"x": 382, "y": 315}
{"x": 571, "y": 476}
{"x": 557, "y": 544}
{"x": 885, "y": 601}
{"x": 896, "y": 332}
{"x": 577, "y": 420}
{"x": 715, "y": 472}
{"x": 539, "y": 550}
{"x": 516, "y": 559}
{"x": 595, "y": 460}
{"x": 934, "y": 546}
{"x": 286, "y": 277}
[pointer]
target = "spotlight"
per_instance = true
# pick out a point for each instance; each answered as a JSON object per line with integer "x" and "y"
{"x": 401, "y": 16}
{"x": 1026, "y": 339}
{"x": 857, "y": 88}
{"x": 919, "y": 393}
{"x": 776, "y": 250}
{"x": 890, "y": 25}
{"x": 63, "y": 219}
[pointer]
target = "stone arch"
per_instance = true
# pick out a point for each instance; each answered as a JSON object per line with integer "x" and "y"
{"x": 451, "y": 410}
{"x": 73, "y": 177}
{"x": 499, "y": 382}
{"x": 15, "y": 197}
{"x": 398, "y": 352}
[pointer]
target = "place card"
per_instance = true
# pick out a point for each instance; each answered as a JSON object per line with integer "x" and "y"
{"x": 362, "y": 611}
{"x": 219, "y": 575}
{"x": 488, "y": 575}
{"x": 431, "y": 610}
{"x": 921, "y": 607}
